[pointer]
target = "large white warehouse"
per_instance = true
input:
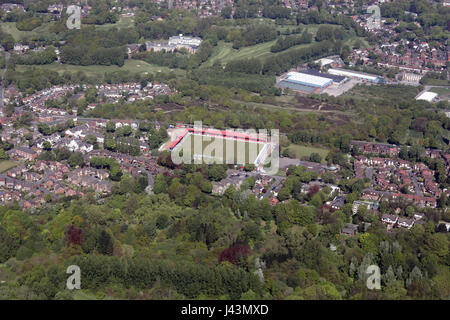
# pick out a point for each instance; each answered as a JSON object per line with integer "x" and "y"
{"x": 356, "y": 75}
{"x": 304, "y": 82}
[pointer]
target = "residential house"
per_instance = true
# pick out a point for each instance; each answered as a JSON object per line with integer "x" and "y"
{"x": 350, "y": 229}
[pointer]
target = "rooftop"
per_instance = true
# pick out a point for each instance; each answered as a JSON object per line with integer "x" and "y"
{"x": 427, "y": 96}
{"x": 316, "y": 73}
{"x": 351, "y": 73}
{"x": 304, "y": 78}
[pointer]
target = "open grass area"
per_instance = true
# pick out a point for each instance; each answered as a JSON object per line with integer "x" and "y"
{"x": 5, "y": 165}
{"x": 352, "y": 41}
{"x": 380, "y": 93}
{"x": 10, "y": 27}
{"x": 440, "y": 91}
{"x": 219, "y": 150}
{"x": 443, "y": 93}
{"x": 280, "y": 106}
{"x": 306, "y": 151}
{"x": 133, "y": 66}
{"x": 86, "y": 295}
{"x": 312, "y": 28}
{"x": 124, "y": 22}
{"x": 225, "y": 53}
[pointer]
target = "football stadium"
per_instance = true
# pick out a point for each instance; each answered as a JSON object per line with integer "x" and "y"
{"x": 221, "y": 146}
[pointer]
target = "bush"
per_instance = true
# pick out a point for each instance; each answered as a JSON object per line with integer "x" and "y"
{"x": 162, "y": 221}
{"x": 24, "y": 253}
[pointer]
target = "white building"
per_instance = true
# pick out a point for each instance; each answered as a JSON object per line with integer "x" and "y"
{"x": 184, "y": 41}
{"x": 356, "y": 75}
{"x": 412, "y": 77}
{"x": 427, "y": 96}
{"x": 20, "y": 48}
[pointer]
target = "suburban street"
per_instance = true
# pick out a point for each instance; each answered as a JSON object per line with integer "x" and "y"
{"x": 369, "y": 175}
{"x": 268, "y": 193}
{"x": 416, "y": 183}
{"x": 7, "y": 56}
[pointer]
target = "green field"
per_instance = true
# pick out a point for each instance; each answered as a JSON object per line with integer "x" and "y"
{"x": 225, "y": 53}
{"x": 5, "y": 165}
{"x": 304, "y": 151}
{"x": 380, "y": 93}
{"x": 10, "y": 27}
{"x": 124, "y": 22}
{"x": 86, "y": 295}
{"x": 440, "y": 90}
{"x": 133, "y": 66}
{"x": 240, "y": 149}
{"x": 362, "y": 42}
{"x": 444, "y": 93}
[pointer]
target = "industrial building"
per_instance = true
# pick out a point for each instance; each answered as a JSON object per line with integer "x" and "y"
{"x": 357, "y": 75}
{"x": 303, "y": 82}
{"x": 332, "y": 61}
{"x": 336, "y": 79}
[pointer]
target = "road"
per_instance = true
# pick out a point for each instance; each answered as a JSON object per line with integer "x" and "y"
{"x": 369, "y": 175}
{"x": 416, "y": 183}
{"x": 268, "y": 194}
{"x": 7, "y": 56}
{"x": 278, "y": 180}
{"x": 89, "y": 119}
{"x": 428, "y": 87}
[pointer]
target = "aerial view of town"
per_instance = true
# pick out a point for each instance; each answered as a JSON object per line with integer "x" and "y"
{"x": 192, "y": 150}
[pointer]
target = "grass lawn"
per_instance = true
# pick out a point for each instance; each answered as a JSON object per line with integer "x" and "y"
{"x": 220, "y": 150}
{"x": 85, "y": 295}
{"x": 18, "y": 35}
{"x": 351, "y": 42}
{"x": 304, "y": 151}
{"x": 5, "y": 165}
{"x": 224, "y": 51}
{"x": 124, "y": 22}
{"x": 443, "y": 93}
{"x": 133, "y": 66}
{"x": 379, "y": 93}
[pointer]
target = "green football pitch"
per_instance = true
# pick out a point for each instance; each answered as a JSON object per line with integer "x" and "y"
{"x": 205, "y": 149}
